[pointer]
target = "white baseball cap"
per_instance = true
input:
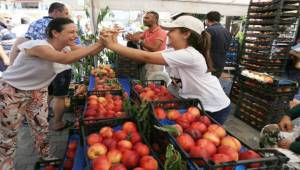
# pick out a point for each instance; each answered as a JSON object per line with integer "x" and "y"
{"x": 185, "y": 21}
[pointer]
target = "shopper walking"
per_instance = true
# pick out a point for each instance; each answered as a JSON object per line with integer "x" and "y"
{"x": 60, "y": 85}
{"x": 220, "y": 41}
{"x": 185, "y": 63}
{"x": 23, "y": 87}
{"x": 153, "y": 39}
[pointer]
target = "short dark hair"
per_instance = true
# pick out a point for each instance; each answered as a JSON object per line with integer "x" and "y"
{"x": 56, "y": 6}
{"x": 57, "y": 24}
{"x": 213, "y": 16}
{"x": 24, "y": 20}
{"x": 156, "y": 15}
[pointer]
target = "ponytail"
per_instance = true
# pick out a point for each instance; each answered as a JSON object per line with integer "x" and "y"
{"x": 201, "y": 43}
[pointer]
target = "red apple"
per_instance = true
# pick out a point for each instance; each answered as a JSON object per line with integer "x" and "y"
{"x": 124, "y": 145}
{"x": 68, "y": 164}
{"x": 120, "y": 135}
{"x": 194, "y": 111}
{"x": 229, "y": 151}
{"x": 110, "y": 143}
{"x": 101, "y": 163}
{"x": 191, "y": 118}
{"x": 210, "y": 146}
{"x": 129, "y": 127}
{"x": 135, "y": 137}
{"x": 218, "y": 130}
{"x": 160, "y": 113}
{"x": 92, "y": 97}
{"x": 199, "y": 152}
{"x": 185, "y": 141}
{"x": 205, "y": 120}
{"x": 232, "y": 142}
{"x": 212, "y": 137}
{"x": 141, "y": 149}
{"x": 72, "y": 145}
{"x": 183, "y": 122}
{"x": 93, "y": 138}
{"x": 248, "y": 155}
{"x": 96, "y": 150}
{"x": 149, "y": 163}
{"x": 114, "y": 156}
{"x": 49, "y": 167}
{"x": 173, "y": 114}
{"x": 71, "y": 154}
{"x": 130, "y": 159}
{"x": 220, "y": 158}
{"x": 194, "y": 133}
{"x": 200, "y": 126}
{"x": 138, "y": 88}
{"x": 106, "y": 132}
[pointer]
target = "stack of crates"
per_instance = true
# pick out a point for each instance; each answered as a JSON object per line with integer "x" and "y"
{"x": 263, "y": 99}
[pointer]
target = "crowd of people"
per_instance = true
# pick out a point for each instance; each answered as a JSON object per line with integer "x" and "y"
{"x": 39, "y": 70}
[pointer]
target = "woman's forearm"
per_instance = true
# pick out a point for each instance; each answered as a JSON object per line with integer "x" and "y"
{"x": 144, "y": 56}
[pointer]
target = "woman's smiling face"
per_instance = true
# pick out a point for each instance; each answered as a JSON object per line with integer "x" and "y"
{"x": 69, "y": 34}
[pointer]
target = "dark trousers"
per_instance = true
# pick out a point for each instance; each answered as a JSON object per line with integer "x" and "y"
{"x": 220, "y": 116}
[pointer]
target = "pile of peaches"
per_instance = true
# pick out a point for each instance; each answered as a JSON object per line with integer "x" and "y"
{"x": 199, "y": 137}
{"x": 123, "y": 149}
{"x": 153, "y": 92}
{"x": 107, "y": 106}
{"x": 103, "y": 70}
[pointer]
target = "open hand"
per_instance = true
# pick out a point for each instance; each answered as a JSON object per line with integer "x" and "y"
{"x": 286, "y": 124}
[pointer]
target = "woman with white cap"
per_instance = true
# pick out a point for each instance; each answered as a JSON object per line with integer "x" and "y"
{"x": 187, "y": 62}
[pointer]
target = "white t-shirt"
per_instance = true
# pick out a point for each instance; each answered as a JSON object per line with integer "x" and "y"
{"x": 30, "y": 72}
{"x": 188, "y": 71}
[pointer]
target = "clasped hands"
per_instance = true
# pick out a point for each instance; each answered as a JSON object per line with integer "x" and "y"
{"x": 108, "y": 37}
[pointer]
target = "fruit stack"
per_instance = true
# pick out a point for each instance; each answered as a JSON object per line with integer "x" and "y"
{"x": 104, "y": 105}
{"x": 74, "y": 102}
{"x": 200, "y": 138}
{"x": 105, "y": 78}
{"x": 263, "y": 99}
{"x": 150, "y": 90}
{"x": 118, "y": 146}
{"x": 103, "y": 71}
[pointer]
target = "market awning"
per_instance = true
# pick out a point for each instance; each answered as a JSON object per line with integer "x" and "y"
{"x": 225, "y": 7}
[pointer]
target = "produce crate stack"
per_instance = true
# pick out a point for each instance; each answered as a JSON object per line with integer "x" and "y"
{"x": 262, "y": 98}
{"x": 128, "y": 68}
{"x": 271, "y": 29}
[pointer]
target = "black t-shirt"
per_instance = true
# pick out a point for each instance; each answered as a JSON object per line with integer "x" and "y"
{"x": 220, "y": 42}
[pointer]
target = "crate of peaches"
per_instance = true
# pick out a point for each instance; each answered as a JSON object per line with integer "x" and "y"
{"x": 103, "y": 71}
{"x": 205, "y": 143}
{"x": 104, "y": 78}
{"x": 118, "y": 145}
{"x": 149, "y": 90}
{"x": 105, "y": 105}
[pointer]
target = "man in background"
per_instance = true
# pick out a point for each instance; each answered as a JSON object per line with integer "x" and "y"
{"x": 220, "y": 41}
{"x": 152, "y": 39}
